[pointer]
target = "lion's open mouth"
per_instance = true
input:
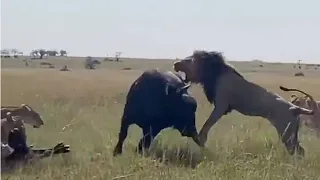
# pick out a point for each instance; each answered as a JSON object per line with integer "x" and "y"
{"x": 175, "y": 66}
{"x": 175, "y": 69}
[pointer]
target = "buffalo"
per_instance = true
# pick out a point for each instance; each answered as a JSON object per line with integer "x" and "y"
{"x": 155, "y": 101}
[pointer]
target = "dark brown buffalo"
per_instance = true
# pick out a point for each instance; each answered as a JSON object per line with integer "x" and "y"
{"x": 157, "y": 100}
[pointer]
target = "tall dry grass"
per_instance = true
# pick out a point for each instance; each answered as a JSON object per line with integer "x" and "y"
{"x": 83, "y": 109}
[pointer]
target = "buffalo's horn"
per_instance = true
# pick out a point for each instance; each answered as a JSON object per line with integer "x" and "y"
{"x": 184, "y": 87}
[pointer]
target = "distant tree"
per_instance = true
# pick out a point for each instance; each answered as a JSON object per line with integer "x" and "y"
{"x": 5, "y": 53}
{"x": 299, "y": 64}
{"x": 20, "y": 53}
{"x": 90, "y": 63}
{"x": 52, "y": 53}
{"x": 117, "y": 55}
{"x": 63, "y": 52}
{"x": 14, "y": 52}
{"x": 34, "y": 54}
{"x": 42, "y": 53}
{"x": 55, "y": 53}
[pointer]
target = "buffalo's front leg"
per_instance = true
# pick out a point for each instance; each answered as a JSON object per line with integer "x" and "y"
{"x": 148, "y": 135}
{"x": 196, "y": 139}
{"x": 122, "y": 136}
{"x": 193, "y": 134}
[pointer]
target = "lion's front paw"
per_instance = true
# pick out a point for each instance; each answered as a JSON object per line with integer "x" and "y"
{"x": 61, "y": 148}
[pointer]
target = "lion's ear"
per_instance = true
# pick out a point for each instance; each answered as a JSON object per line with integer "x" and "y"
{"x": 293, "y": 99}
{"x": 215, "y": 53}
{"x": 293, "y": 96}
{"x": 197, "y": 54}
{"x": 9, "y": 117}
{"x": 309, "y": 103}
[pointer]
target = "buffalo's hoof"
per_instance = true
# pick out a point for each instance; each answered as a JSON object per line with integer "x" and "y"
{"x": 117, "y": 151}
{"x": 300, "y": 151}
{"x": 141, "y": 150}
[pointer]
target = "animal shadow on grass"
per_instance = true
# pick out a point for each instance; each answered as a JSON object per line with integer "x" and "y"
{"x": 169, "y": 147}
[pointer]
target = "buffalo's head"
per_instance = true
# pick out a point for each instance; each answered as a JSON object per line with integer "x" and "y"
{"x": 182, "y": 108}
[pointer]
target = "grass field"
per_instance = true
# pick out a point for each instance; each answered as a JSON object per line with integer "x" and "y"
{"x": 83, "y": 109}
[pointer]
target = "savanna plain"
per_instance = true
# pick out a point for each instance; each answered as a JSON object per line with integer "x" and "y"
{"x": 83, "y": 109}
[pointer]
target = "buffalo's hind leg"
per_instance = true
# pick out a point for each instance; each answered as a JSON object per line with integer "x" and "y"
{"x": 122, "y": 136}
{"x": 148, "y": 134}
{"x": 290, "y": 138}
{"x": 297, "y": 148}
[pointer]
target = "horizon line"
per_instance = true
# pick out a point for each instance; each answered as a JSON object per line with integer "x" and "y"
{"x": 170, "y": 59}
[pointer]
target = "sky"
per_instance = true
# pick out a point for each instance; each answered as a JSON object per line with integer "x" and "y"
{"x": 270, "y": 30}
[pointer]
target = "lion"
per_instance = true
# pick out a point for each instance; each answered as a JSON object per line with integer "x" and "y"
{"x": 17, "y": 153}
{"x": 228, "y": 90}
{"x": 308, "y": 102}
{"x": 15, "y": 117}
{"x": 13, "y": 136}
{"x": 65, "y": 68}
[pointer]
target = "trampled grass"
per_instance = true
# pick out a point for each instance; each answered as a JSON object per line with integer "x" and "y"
{"x": 83, "y": 109}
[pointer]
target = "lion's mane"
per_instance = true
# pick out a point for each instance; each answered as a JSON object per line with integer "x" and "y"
{"x": 211, "y": 65}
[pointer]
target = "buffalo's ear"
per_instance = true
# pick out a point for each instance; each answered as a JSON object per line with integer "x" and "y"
{"x": 293, "y": 98}
{"x": 190, "y": 100}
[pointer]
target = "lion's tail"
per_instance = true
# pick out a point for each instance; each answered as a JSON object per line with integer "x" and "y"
{"x": 297, "y": 90}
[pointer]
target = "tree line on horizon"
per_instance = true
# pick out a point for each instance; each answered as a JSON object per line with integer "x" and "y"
{"x": 35, "y": 54}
